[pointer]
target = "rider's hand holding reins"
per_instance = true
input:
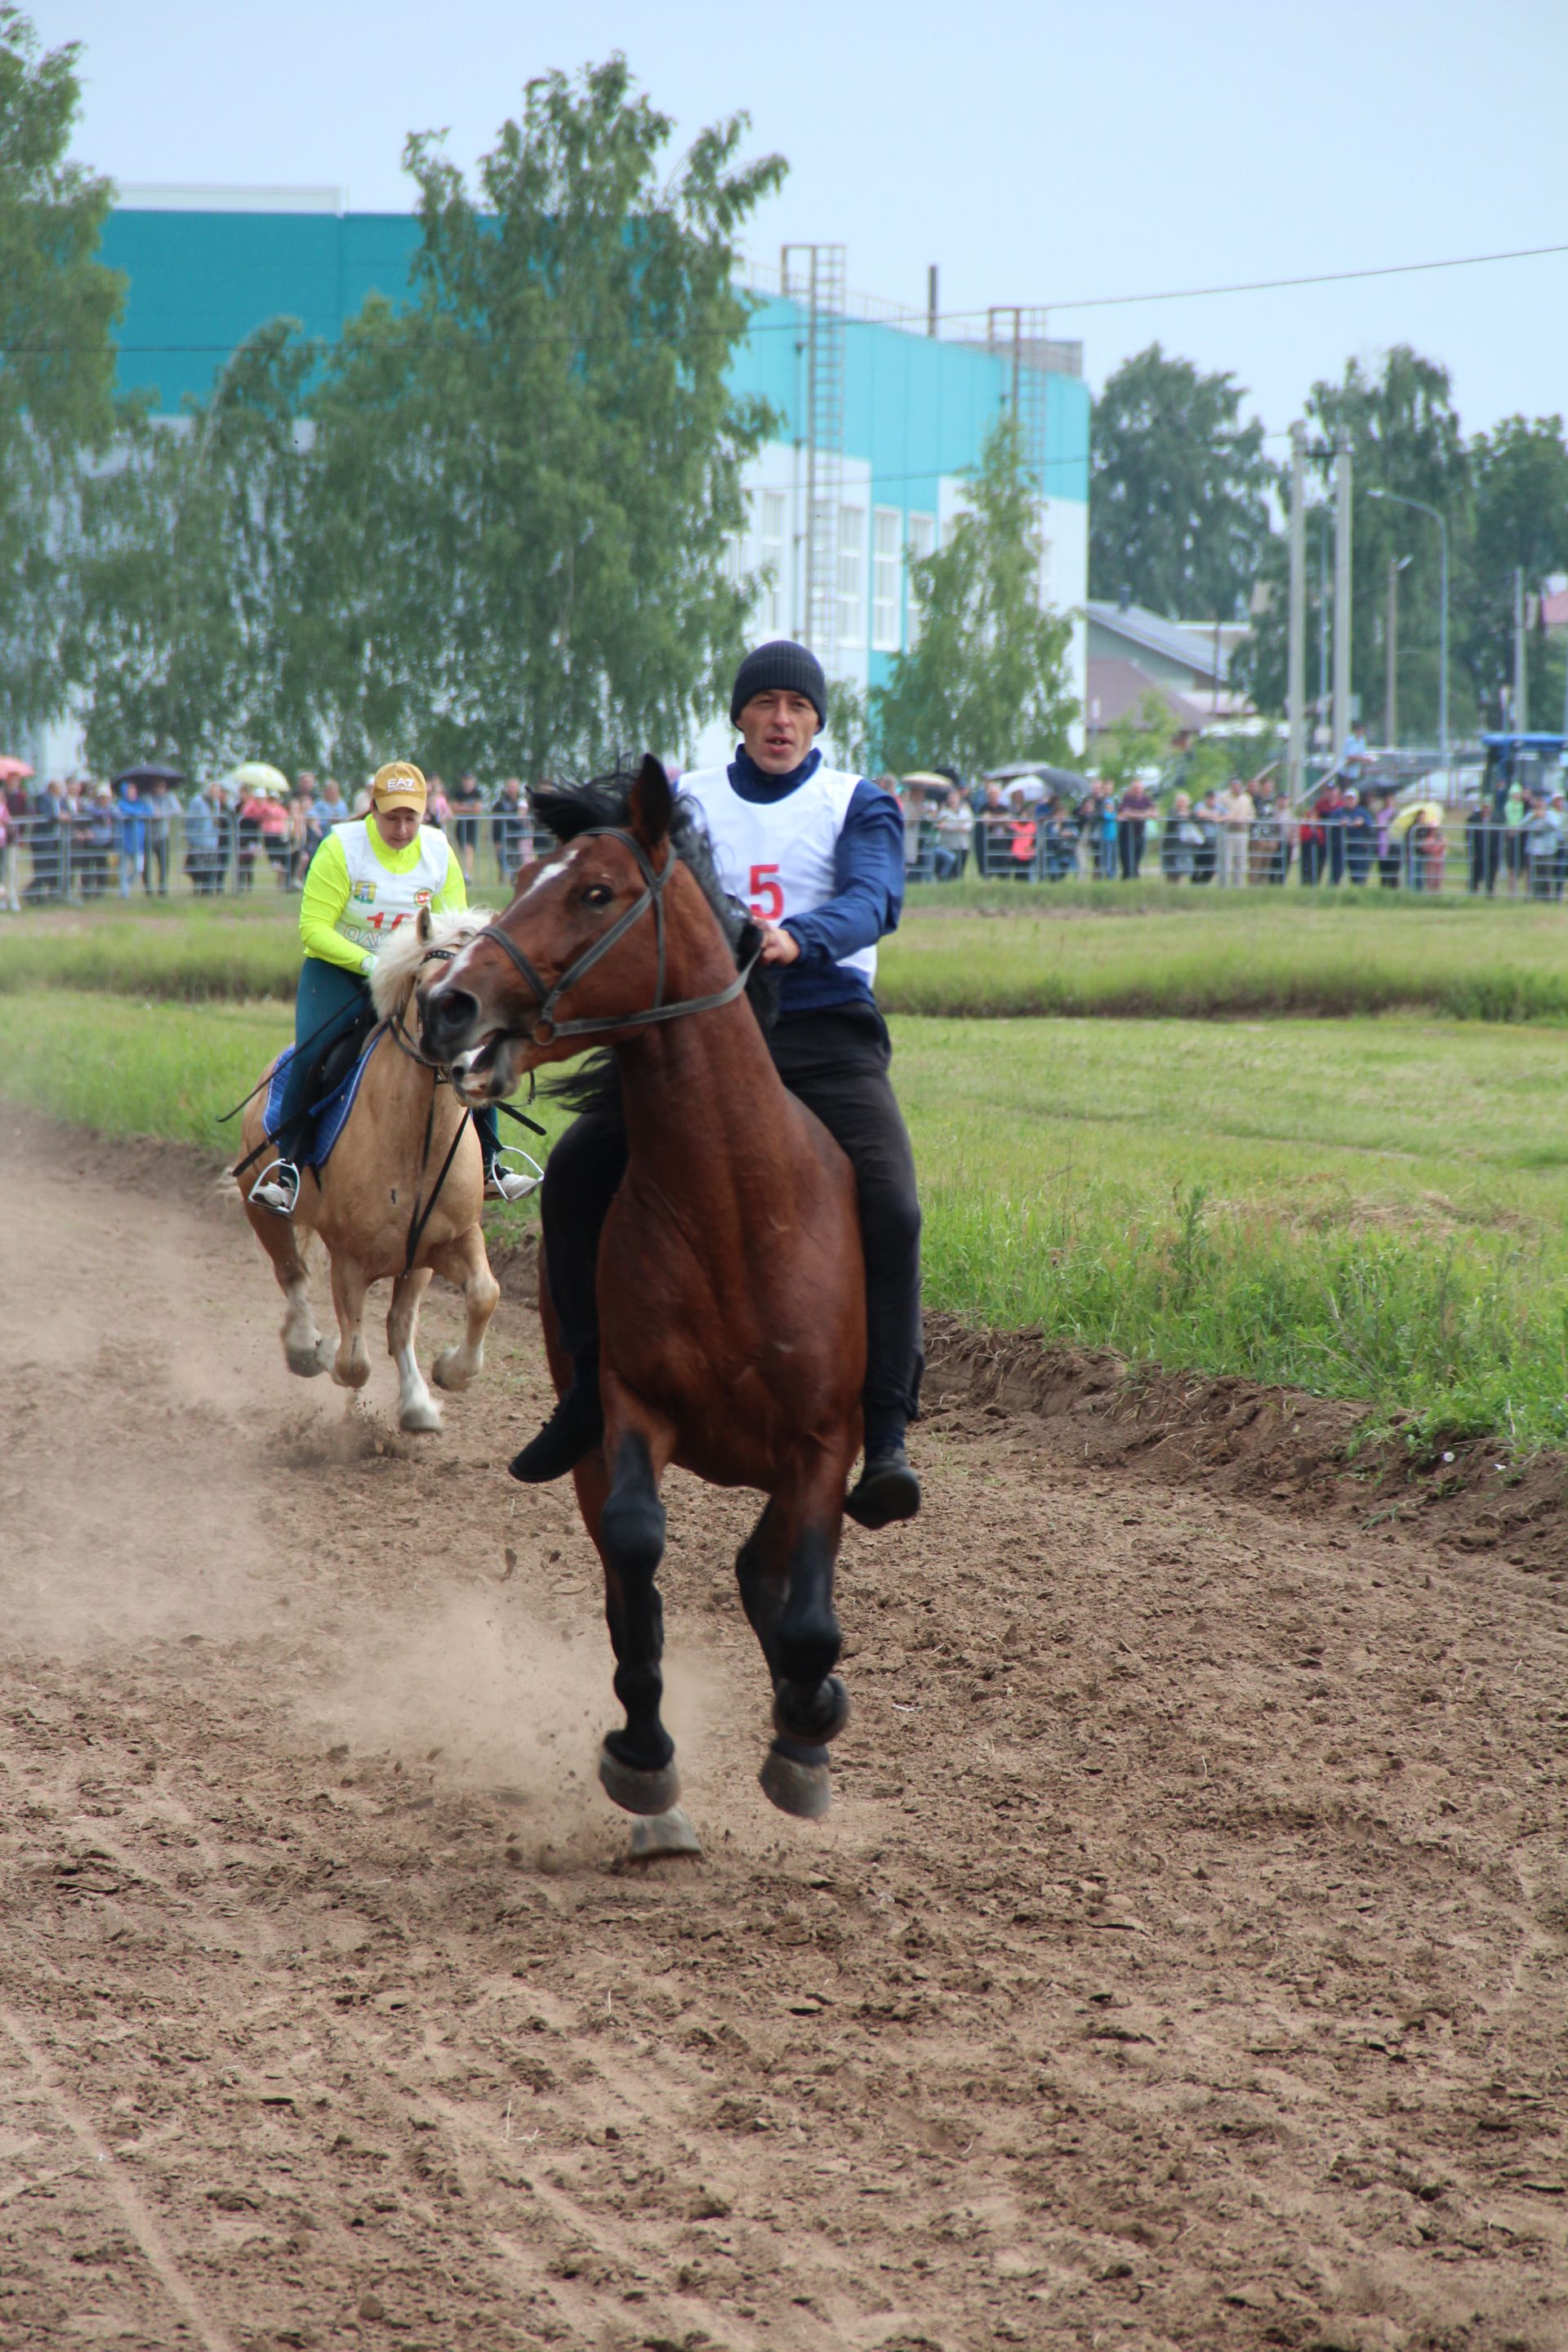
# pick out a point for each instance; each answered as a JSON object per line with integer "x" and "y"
{"x": 778, "y": 947}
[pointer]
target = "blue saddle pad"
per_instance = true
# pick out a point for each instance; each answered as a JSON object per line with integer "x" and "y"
{"x": 331, "y": 1114}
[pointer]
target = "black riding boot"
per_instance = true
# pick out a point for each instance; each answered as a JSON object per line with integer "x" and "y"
{"x": 571, "y": 1432}
{"x": 887, "y": 1488}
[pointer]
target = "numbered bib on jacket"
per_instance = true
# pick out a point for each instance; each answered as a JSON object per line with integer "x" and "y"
{"x": 779, "y": 857}
{"x": 379, "y": 901}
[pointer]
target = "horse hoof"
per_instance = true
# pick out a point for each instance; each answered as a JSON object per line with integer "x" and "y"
{"x": 798, "y": 1782}
{"x": 811, "y": 1713}
{"x": 305, "y": 1362}
{"x": 638, "y": 1792}
{"x": 658, "y": 1835}
{"x": 447, "y": 1374}
{"x": 420, "y": 1420}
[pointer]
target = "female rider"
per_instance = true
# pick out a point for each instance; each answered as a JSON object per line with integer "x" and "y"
{"x": 366, "y": 879}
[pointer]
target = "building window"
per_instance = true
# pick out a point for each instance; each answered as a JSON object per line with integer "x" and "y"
{"x": 851, "y": 575}
{"x": 921, "y": 542}
{"x": 886, "y": 531}
{"x": 771, "y": 557}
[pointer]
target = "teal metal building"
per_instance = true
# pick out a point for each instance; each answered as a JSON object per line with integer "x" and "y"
{"x": 882, "y": 415}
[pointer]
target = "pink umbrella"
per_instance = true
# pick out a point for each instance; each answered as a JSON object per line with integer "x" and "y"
{"x": 13, "y": 770}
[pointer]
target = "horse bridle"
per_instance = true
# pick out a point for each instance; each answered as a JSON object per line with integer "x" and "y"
{"x": 654, "y": 881}
{"x": 394, "y": 1024}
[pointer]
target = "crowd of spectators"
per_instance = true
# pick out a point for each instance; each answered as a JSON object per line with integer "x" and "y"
{"x": 82, "y": 840}
{"x": 1239, "y": 834}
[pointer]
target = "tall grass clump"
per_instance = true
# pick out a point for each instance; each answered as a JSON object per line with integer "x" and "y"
{"x": 137, "y": 1068}
{"x": 1466, "y": 1338}
{"x": 1171, "y": 967}
{"x": 192, "y": 961}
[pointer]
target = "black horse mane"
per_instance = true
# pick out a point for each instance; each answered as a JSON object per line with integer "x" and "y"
{"x": 569, "y": 809}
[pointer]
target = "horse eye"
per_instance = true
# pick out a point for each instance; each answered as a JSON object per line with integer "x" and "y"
{"x": 598, "y": 894}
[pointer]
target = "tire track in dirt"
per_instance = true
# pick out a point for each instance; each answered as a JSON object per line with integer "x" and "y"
{"x": 1182, "y": 1964}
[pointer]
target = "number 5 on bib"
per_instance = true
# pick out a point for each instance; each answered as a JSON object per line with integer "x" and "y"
{"x": 767, "y": 893}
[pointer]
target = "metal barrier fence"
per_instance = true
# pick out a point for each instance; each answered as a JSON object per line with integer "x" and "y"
{"x": 77, "y": 855}
{"x": 1467, "y": 853}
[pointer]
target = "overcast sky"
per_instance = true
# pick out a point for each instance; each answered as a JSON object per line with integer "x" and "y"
{"x": 1037, "y": 155}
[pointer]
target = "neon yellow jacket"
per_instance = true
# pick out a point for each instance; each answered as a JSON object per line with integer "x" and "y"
{"x": 326, "y": 895}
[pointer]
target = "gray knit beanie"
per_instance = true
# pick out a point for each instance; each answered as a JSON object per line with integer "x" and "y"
{"x": 781, "y": 668}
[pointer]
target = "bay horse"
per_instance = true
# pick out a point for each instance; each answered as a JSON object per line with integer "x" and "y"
{"x": 371, "y": 1196}
{"x": 731, "y": 1283}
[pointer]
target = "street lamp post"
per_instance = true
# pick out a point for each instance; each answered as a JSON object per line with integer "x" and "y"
{"x": 1397, "y": 498}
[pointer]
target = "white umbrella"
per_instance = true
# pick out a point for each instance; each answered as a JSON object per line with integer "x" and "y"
{"x": 256, "y": 776}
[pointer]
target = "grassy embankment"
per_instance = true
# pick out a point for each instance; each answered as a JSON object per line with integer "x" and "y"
{"x": 1373, "y": 1209}
{"x": 1145, "y": 953}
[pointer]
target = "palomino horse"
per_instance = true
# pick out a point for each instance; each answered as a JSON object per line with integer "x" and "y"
{"x": 370, "y": 1201}
{"x": 731, "y": 1286}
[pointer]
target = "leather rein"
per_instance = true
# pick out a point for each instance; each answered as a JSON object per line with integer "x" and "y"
{"x": 654, "y": 881}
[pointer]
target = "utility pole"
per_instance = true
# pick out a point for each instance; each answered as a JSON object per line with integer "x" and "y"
{"x": 1396, "y": 564}
{"x": 1322, "y": 705}
{"x": 1341, "y": 591}
{"x": 932, "y": 311}
{"x": 1296, "y": 666}
{"x": 1521, "y": 696}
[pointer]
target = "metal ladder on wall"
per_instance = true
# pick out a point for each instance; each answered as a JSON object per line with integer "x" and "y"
{"x": 1016, "y": 331}
{"x": 813, "y": 274}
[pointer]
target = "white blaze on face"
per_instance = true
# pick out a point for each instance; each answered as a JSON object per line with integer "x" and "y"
{"x": 547, "y": 873}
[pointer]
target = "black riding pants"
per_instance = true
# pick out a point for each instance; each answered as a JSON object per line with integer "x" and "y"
{"x": 836, "y": 1063}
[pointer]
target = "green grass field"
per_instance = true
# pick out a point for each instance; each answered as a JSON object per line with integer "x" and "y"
{"x": 1258, "y": 952}
{"x": 1374, "y": 1208}
{"x": 980, "y": 950}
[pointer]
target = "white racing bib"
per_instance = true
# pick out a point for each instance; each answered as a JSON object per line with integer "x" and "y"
{"x": 379, "y": 901}
{"x": 778, "y": 856}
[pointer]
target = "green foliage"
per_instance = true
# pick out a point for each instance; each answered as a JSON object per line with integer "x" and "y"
{"x": 490, "y": 523}
{"x": 194, "y": 636}
{"x": 1210, "y": 763}
{"x": 515, "y": 553}
{"x": 59, "y": 306}
{"x": 849, "y": 738}
{"x": 1404, "y": 437}
{"x": 1179, "y": 501}
{"x": 1520, "y": 474}
{"x": 988, "y": 681}
{"x": 1139, "y": 740}
{"x": 1504, "y": 498}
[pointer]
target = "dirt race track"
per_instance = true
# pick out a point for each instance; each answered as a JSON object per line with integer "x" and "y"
{"x": 1183, "y": 1963}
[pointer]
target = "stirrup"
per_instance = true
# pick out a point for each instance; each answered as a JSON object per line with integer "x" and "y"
{"x": 506, "y": 1183}
{"x": 276, "y": 1188}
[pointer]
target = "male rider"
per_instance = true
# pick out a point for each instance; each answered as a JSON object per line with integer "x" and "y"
{"x": 818, "y": 855}
{"x": 366, "y": 879}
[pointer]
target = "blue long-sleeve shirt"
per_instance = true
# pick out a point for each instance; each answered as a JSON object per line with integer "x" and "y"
{"x": 868, "y": 888}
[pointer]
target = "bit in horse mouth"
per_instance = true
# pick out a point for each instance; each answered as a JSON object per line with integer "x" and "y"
{"x": 475, "y": 1060}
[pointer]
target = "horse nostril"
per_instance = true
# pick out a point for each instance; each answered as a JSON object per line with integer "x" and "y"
{"x": 449, "y": 1016}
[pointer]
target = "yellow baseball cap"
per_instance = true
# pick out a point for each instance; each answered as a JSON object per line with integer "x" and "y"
{"x": 398, "y": 785}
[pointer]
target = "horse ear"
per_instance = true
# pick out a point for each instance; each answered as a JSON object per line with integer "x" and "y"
{"x": 426, "y": 928}
{"x": 650, "y": 803}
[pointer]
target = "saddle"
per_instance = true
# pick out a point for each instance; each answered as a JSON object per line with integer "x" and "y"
{"x": 341, "y": 1055}
{"x": 335, "y": 1082}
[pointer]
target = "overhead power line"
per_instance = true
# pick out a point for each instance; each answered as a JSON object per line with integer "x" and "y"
{"x": 1327, "y": 278}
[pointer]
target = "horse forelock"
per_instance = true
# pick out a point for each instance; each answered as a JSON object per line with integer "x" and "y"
{"x": 570, "y": 809}
{"x": 406, "y": 953}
